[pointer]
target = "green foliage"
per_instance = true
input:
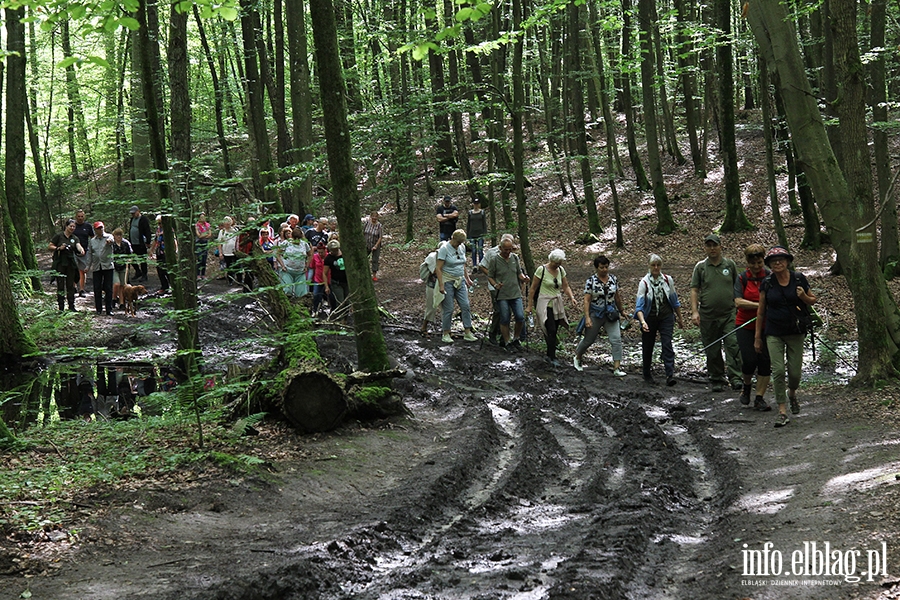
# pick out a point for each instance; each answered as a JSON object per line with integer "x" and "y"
{"x": 70, "y": 457}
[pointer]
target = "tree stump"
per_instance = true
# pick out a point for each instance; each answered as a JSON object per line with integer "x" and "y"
{"x": 312, "y": 401}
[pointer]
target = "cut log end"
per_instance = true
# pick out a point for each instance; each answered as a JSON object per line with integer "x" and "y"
{"x": 313, "y": 402}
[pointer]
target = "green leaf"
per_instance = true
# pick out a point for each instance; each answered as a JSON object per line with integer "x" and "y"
{"x": 420, "y": 51}
{"x": 129, "y": 23}
{"x": 464, "y": 14}
{"x": 67, "y": 62}
{"x": 429, "y": 14}
{"x": 484, "y": 8}
{"x": 228, "y": 13}
{"x": 99, "y": 61}
{"x": 77, "y": 11}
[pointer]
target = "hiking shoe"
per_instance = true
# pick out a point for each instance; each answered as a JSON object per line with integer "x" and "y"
{"x": 576, "y": 362}
{"x": 670, "y": 380}
{"x": 782, "y": 420}
{"x": 761, "y": 405}
{"x": 469, "y": 337}
{"x": 514, "y": 345}
{"x": 618, "y": 373}
{"x": 649, "y": 379}
{"x": 446, "y": 338}
{"x": 745, "y": 397}
{"x": 795, "y": 406}
{"x": 81, "y": 293}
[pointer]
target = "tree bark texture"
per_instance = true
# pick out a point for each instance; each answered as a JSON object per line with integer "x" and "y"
{"x": 370, "y": 345}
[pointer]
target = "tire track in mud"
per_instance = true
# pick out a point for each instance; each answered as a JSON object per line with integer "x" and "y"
{"x": 564, "y": 494}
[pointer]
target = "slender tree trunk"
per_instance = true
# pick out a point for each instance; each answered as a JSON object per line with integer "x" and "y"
{"x": 145, "y": 193}
{"x": 370, "y": 346}
{"x": 282, "y": 135}
{"x": 180, "y": 258}
{"x": 665, "y": 222}
{"x": 890, "y": 237}
{"x": 441, "y": 120}
{"x": 576, "y": 86}
{"x": 770, "y": 153}
{"x": 627, "y": 103}
{"x": 687, "y": 68}
{"x": 595, "y": 52}
{"x": 671, "y": 138}
{"x": 301, "y": 97}
{"x": 518, "y": 106}
{"x": 262, "y": 159}
{"x": 16, "y": 106}
{"x": 219, "y": 95}
{"x": 735, "y": 219}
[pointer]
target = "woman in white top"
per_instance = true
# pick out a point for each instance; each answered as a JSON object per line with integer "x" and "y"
{"x": 227, "y": 240}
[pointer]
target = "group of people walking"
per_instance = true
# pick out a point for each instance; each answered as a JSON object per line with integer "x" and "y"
{"x": 758, "y": 316}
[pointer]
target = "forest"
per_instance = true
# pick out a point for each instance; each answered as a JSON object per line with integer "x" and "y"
{"x": 598, "y": 127}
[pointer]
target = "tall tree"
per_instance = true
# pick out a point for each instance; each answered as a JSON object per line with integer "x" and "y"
{"x": 16, "y": 106}
{"x": 14, "y": 343}
{"x": 627, "y": 102}
{"x": 665, "y": 223}
{"x": 371, "y": 349}
{"x": 735, "y": 219}
{"x": 301, "y": 97}
{"x": 518, "y": 107}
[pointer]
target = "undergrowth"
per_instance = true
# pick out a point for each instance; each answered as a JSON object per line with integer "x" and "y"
{"x": 53, "y": 467}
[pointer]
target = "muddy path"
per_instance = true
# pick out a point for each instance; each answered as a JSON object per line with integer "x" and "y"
{"x": 513, "y": 480}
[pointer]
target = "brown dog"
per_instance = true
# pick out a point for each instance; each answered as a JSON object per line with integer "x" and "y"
{"x": 131, "y": 293}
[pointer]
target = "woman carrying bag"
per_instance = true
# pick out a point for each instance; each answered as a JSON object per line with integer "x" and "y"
{"x": 546, "y": 299}
{"x": 602, "y": 307}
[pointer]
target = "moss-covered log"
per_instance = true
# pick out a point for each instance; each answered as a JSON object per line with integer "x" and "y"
{"x": 309, "y": 397}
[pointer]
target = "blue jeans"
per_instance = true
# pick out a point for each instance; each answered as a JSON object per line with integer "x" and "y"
{"x": 509, "y": 308}
{"x": 461, "y": 294}
{"x": 477, "y": 250}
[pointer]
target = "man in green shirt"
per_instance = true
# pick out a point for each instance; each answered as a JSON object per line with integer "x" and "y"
{"x": 712, "y": 309}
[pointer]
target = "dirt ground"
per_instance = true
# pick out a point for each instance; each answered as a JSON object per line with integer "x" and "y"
{"x": 515, "y": 479}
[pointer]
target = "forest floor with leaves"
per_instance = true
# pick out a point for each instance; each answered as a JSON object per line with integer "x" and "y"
{"x": 513, "y": 478}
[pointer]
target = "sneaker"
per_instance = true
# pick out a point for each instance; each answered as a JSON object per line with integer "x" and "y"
{"x": 745, "y": 397}
{"x": 670, "y": 380}
{"x": 81, "y": 293}
{"x": 514, "y": 345}
{"x": 649, "y": 379}
{"x": 795, "y": 406}
{"x": 619, "y": 373}
{"x": 469, "y": 337}
{"x": 374, "y": 278}
{"x": 761, "y": 405}
{"x": 576, "y": 362}
{"x": 446, "y": 338}
{"x": 782, "y": 420}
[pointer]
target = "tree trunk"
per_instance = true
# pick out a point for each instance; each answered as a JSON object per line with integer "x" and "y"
{"x": 219, "y": 98}
{"x": 735, "y": 219}
{"x": 440, "y": 118}
{"x": 180, "y": 258}
{"x": 31, "y": 120}
{"x": 518, "y": 106}
{"x": 665, "y": 223}
{"x": 576, "y": 96}
{"x": 890, "y": 236}
{"x": 668, "y": 120}
{"x": 144, "y": 191}
{"x": 687, "y": 69}
{"x": 261, "y": 160}
{"x": 627, "y": 101}
{"x": 844, "y": 208}
{"x": 301, "y": 97}
{"x": 14, "y": 343}
{"x": 370, "y": 345}
{"x": 770, "y": 153}
{"x": 16, "y": 103}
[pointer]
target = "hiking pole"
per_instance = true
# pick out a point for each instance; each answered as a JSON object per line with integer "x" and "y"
{"x": 815, "y": 336}
{"x": 725, "y": 336}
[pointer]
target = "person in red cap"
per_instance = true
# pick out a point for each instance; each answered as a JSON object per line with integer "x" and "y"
{"x": 782, "y": 325}
{"x": 100, "y": 264}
